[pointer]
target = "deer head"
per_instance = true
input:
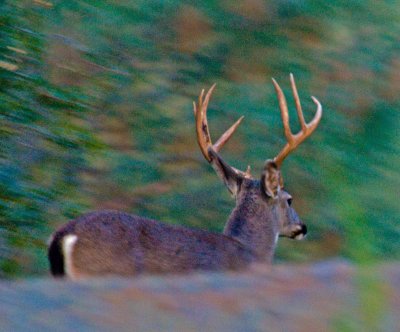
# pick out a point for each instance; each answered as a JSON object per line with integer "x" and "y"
{"x": 263, "y": 209}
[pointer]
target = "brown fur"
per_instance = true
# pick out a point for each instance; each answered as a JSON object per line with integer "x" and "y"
{"x": 113, "y": 242}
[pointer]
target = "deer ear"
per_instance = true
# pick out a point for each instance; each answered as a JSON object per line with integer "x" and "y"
{"x": 271, "y": 180}
{"x": 229, "y": 175}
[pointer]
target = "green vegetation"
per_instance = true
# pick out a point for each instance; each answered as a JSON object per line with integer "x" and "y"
{"x": 95, "y": 112}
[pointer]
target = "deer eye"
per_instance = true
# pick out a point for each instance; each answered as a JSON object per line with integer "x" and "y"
{"x": 289, "y": 201}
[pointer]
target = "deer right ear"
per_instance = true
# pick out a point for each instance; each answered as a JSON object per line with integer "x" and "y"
{"x": 271, "y": 180}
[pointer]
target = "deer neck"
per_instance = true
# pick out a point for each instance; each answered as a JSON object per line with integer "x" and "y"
{"x": 255, "y": 226}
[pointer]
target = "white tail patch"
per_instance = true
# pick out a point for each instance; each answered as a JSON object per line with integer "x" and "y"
{"x": 68, "y": 243}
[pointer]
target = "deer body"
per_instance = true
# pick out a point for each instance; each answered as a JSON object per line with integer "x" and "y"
{"x": 113, "y": 242}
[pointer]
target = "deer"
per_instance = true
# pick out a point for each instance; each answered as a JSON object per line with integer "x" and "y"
{"x": 112, "y": 242}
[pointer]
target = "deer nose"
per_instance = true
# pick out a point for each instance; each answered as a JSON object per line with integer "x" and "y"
{"x": 301, "y": 232}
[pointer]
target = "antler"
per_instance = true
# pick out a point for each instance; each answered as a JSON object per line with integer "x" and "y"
{"x": 203, "y": 134}
{"x": 294, "y": 140}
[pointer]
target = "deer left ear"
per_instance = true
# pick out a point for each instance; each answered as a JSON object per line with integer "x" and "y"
{"x": 271, "y": 180}
{"x": 231, "y": 178}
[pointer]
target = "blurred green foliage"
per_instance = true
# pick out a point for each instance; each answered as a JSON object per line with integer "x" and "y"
{"x": 95, "y": 112}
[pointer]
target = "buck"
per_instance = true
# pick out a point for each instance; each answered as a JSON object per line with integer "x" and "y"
{"x": 113, "y": 242}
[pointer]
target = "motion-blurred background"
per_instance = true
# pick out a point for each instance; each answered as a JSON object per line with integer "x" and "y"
{"x": 96, "y": 112}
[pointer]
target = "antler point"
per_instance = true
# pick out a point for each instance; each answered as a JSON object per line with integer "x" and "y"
{"x": 194, "y": 108}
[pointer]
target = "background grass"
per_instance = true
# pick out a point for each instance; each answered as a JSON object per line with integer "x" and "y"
{"x": 95, "y": 112}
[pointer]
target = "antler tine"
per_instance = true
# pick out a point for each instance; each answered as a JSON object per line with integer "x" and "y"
{"x": 317, "y": 117}
{"x": 200, "y": 112}
{"x": 202, "y": 129}
{"x": 297, "y": 102}
{"x": 293, "y": 141}
{"x": 199, "y": 102}
{"x": 284, "y": 111}
{"x": 227, "y": 135}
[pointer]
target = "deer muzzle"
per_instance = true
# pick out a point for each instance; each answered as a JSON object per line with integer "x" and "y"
{"x": 300, "y": 232}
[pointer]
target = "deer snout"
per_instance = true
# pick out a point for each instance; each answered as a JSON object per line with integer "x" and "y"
{"x": 300, "y": 232}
